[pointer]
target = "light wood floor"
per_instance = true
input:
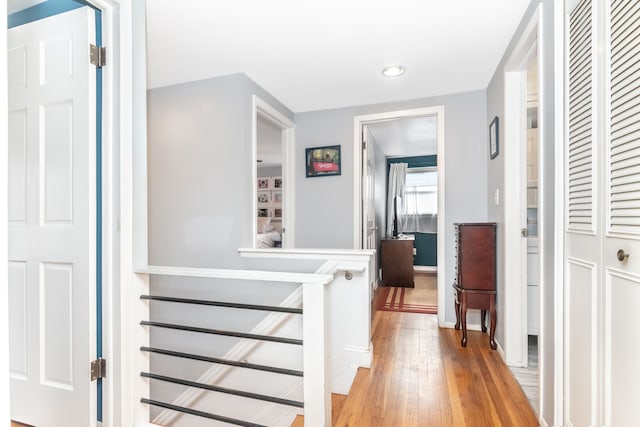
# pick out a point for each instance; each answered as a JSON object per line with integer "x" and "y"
{"x": 420, "y": 376}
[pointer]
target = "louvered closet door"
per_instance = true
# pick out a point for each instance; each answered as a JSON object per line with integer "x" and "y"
{"x": 583, "y": 234}
{"x": 621, "y": 308}
{"x": 602, "y": 283}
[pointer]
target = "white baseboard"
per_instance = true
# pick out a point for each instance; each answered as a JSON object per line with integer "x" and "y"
{"x": 425, "y": 268}
{"x": 470, "y": 326}
{"x": 501, "y": 352}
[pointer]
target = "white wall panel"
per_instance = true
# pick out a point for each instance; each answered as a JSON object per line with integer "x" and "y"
{"x": 17, "y": 166}
{"x": 18, "y": 319}
{"x": 621, "y": 360}
{"x": 56, "y": 60}
{"x": 56, "y": 296}
{"x": 56, "y": 150}
{"x": 17, "y": 67}
{"x": 579, "y": 288}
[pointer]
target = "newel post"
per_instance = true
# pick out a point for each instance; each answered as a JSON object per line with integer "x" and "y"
{"x": 316, "y": 345}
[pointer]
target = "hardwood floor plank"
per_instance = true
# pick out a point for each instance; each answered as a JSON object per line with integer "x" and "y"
{"x": 420, "y": 375}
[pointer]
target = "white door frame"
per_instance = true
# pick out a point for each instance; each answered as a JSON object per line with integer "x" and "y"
{"x": 560, "y": 135}
{"x": 262, "y": 109}
{"x": 124, "y": 114}
{"x": 515, "y": 345}
{"x": 358, "y": 121}
{"x": 515, "y": 246}
{"x": 4, "y": 231}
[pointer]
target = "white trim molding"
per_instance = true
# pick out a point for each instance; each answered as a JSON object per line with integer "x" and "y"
{"x": 265, "y": 111}
{"x": 515, "y": 246}
{"x": 358, "y": 122}
{"x": 5, "y": 417}
{"x": 560, "y": 81}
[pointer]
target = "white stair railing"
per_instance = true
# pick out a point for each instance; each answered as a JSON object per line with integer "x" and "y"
{"x": 315, "y": 339}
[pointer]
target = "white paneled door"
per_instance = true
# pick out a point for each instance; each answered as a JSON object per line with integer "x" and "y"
{"x": 370, "y": 230}
{"x": 368, "y": 192}
{"x": 52, "y": 220}
{"x": 602, "y": 291}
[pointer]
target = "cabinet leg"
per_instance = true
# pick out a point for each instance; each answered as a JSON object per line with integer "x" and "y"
{"x": 492, "y": 331}
{"x": 463, "y": 318}
{"x": 457, "y": 308}
{"x": 483, "y": 320}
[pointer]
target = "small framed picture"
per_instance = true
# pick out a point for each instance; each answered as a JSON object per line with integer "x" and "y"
{"x": 277, "y": 197}
{"x": 263, "y": 212}
{"x": 277, "y": 182}
{"x": 264, "y": 197}
{"x": 323, "y": 161}
{"x": 277, "y": 212}
{"x": 263, "y": 183}
{"x": 494, "y": 136}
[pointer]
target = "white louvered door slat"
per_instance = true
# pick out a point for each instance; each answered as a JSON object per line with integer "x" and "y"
{"x": 580, "y": 194}
{"x": 582, "y": 234}
{"x": 624, "y": 158}
{"x": 621, "y": 278}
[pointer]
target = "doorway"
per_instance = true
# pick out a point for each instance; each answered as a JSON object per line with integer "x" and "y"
{"x": 523, "y": 213}
{"x": 528, "y": 375}
{"x": 273, "y": 177}
{"x": 367, "y": 196}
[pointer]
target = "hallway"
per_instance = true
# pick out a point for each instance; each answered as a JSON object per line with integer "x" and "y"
{"x": 420, "y": 376}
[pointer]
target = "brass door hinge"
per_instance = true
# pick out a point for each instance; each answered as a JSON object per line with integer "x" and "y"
{"x": 98, "y": 55}
{"x": 98, "y": 369}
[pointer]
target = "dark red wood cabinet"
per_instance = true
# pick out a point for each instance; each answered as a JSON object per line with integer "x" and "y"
{"x": 475, "y": 275}
{"x": 397, "y": 261}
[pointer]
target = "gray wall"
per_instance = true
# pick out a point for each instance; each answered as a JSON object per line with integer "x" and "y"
{"x": 200, "y": 212}
{"x": 324, "y": 206}
{"x": 496, "y": 179}
{"x": 200, "y": 171}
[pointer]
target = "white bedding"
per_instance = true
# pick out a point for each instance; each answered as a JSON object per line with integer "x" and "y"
{"x": 267, "y": 240}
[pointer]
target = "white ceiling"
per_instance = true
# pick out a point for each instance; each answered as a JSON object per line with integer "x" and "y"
{"x": 320, "y": 54}
{"x": 14, "y": 6}
{"x": 416, "y": 136}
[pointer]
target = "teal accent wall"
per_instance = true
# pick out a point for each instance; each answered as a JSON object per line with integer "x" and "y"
{"x": 43, "y": 10}
{"x": 414, "y": 162}
{"x": 426, "y": 249}
{"x": 426, "y": 244}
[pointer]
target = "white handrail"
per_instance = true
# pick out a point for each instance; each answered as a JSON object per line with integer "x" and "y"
{"x": 213, "y": 273}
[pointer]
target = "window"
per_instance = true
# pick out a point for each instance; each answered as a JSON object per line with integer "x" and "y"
{"x": 421, "y": 191}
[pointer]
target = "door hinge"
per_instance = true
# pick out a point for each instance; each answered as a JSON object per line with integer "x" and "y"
{"x": 524, "y": 232}
{"x": 98, "y": 55}
{"x": 98, "y": 369}
{"x": 364, "y": 145}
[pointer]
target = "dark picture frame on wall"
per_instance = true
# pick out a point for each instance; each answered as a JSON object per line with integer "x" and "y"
{"x": 494, "y": 136}
{"x": 323, "y": 161}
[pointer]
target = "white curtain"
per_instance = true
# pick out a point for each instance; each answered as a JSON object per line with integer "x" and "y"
{"x": 397, "y": 174}
{"x": 420, "y": 207}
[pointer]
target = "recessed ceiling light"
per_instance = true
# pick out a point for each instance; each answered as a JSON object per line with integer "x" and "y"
{"x": 393, "y": 71}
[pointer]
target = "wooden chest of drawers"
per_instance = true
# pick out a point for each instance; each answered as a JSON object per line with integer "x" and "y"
{"x": 397, "y": 261}
{"x": 475, "y": 275}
